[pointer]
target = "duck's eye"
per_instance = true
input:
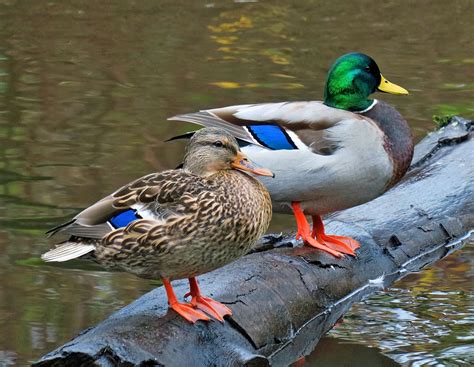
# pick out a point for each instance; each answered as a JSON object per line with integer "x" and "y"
{"x": 218, "y": 144}
{"x": 367, "y": 68}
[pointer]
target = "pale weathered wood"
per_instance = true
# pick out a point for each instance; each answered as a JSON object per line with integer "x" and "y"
{"x": 284, "y": 299}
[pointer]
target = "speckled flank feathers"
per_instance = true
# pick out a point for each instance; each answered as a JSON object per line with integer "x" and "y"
{"x": 207, "y": 225}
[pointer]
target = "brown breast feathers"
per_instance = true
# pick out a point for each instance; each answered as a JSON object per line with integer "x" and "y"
{"x": 398, "y": 138}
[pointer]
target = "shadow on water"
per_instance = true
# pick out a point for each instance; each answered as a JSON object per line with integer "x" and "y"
{"x": 85, "y": 90}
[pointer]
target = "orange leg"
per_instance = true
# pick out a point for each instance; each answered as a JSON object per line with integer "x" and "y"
{"x": 206, "y": 304}
{"x": 304, "y": 231}
{"x": 184, "y": 309}
{"x": 343, "y": 244}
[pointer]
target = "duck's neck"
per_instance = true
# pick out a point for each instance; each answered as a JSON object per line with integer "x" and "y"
{"x": 200, "y": 164}
{"x": 398, "y": 141}
{"x": 348, "y": 102}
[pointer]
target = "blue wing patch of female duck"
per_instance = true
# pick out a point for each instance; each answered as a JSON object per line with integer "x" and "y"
{"x": 271, "y": 136}
{"x": 124, "y": 218}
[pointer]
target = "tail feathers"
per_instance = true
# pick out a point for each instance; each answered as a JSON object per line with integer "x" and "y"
{"x": 208, "y": 119}
{"x": 53, "y": 231}
{"x": 67, "y": 251}
{"x": 188, "y": 135}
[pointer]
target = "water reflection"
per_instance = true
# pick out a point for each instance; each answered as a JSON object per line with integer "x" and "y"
{"x": 427, "y": 319}
{"x": 336, "y": 352}
{"x": 86, "y": 87}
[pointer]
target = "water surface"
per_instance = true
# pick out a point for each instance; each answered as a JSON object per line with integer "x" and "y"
{"x": 85, "y": 90}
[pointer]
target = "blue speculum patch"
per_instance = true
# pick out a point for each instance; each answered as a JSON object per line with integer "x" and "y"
{"x": 124, "y": 218}
{"x": 271, "y": 136}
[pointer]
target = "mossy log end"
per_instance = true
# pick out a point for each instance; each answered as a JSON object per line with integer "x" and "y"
{"x": 285, "y": 297}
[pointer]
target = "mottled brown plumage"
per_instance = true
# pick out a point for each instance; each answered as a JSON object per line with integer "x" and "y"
{"x": 193, "y": 220}
{"x": 206, "y": 225}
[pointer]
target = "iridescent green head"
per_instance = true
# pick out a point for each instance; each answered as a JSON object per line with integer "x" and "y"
{"x": 352, "y": 79}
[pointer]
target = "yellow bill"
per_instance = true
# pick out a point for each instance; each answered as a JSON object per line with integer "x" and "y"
{"x": 389, "y": 87}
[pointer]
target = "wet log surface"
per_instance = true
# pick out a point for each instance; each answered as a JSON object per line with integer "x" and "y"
{"x": 284, "y": 298}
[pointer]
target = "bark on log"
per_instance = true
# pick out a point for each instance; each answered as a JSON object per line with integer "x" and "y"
{"x": 284, "y": 299}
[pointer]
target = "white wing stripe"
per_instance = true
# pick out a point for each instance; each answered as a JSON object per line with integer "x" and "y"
{"x": 296, "y": 140}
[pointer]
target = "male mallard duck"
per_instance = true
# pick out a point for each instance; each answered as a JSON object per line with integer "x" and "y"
{"x": 178, "y": 223}
{"x": 327, "y": 156}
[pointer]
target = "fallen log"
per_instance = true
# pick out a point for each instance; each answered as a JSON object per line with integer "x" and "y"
{"x": 285, "y": 298}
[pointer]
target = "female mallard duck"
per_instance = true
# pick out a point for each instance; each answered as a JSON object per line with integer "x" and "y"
{"x": 327, "y": 156}
{"x": 178, "y": 223}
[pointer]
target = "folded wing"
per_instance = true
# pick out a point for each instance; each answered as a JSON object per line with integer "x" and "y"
{"x": 276, "y": 126}
{"x": 154, "y": 196}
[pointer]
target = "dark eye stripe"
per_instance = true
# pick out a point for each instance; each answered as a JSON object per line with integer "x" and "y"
{"x": 227, "y": 146}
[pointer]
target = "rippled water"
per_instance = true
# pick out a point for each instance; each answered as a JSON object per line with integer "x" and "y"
{"x": 85, "y": 89}
{"x": 426, "y": 319}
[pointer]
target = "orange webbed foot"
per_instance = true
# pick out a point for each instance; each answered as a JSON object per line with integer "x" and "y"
{"x": 342, "y": 244}
{"x": 322, "y": 246}
{"x": 207, "y": 304}
{"x": 348, "y": 243}
{"x": 211, "y": 307}
{"x": 188, "y": 312}
{"x": 304, "y": 232}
